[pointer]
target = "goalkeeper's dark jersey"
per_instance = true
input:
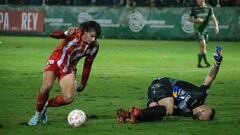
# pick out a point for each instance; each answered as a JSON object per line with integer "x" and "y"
{"x": 205, "y": 13}
{"x": 186, "y": 95}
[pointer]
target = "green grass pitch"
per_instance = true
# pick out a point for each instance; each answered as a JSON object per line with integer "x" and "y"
{"x": 121, "y": 73}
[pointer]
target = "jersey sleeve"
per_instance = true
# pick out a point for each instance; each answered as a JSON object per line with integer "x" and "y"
{"x": 72, "y": 33}
{"x": 88, "y": 65}
{"x": 69, "y": 34}
{"x": 204, "y": 90}
{"x": 58, "y": 34}
{"x": 204, "y": 87}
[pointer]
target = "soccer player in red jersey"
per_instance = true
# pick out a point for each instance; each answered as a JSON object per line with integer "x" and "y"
{"x": 78, "y": 42}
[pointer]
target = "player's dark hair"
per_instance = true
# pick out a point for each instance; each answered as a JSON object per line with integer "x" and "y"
{"x": 212, "y": 114}
{"x": 91, "y": 26}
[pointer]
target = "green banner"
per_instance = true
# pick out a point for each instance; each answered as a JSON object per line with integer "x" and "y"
{"x": 135, "y": 22}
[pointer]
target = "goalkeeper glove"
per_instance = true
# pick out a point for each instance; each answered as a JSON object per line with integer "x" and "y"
{"x": 218, "y": 56}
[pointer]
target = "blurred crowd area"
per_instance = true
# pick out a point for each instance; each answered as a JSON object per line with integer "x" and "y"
{"x": 122, "y": 3}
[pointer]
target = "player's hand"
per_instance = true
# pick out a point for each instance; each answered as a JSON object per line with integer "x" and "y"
{"x": 218, "y": 55}
{"x": 199, "y": 20}
{"x": 80, "y": 88}
{"x": 70, "y": 31}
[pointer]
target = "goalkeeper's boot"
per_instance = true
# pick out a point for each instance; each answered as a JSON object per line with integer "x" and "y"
{"x": 44, "y": 117}
{"x": 136, "y": 113}
{"x": 122, "y": 115}
{"x": 34, "y": 120}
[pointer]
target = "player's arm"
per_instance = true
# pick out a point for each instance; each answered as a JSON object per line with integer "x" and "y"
{"x": 191, "y": 19}
{"x": 215, "y": 23}
{"x": 60, "y": 34}
{"x": 87, "y": 68}
{"x": 215, "y": 68}
{"x": 195, "y": 20}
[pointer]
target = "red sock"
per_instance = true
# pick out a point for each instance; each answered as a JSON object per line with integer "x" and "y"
{"x": 57, "y": 101}
{"x": 41, "y": 100}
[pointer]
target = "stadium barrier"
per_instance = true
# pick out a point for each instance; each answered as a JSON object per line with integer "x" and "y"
{"x": 120, "y": 22}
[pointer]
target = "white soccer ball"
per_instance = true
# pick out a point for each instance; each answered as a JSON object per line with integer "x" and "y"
{"x": 76, "y": 118}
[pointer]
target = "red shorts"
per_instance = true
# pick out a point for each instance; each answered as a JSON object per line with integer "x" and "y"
{"x": 53, "y": 66}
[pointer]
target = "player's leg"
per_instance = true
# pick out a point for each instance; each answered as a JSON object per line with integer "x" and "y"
{"x": 201, "y": 45}
{"x": 141, "y": 115}
{"x": 48, "y": 80}
{"x": 68, "y": 86}
{"x": 151, "y": 113}
{"x": 135, "y": 112}
{"x": 154, "y": 111}
{"x": 168, "y": 103}
{"x": 201, "y": 53}
{"x": 159, "y": 103}
{"x": 205, "y": 49}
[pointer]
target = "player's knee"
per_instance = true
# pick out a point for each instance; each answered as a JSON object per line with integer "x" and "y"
{"x": 68, "y": 98}
{"x": 169, "y": 111}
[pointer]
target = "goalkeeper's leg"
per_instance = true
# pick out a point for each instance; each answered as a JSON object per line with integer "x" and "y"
{"x": 147, "y": 114}
{"x": 141, "y": 115}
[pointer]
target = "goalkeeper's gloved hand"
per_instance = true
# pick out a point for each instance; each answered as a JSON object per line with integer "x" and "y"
{"x": 218, "y": 55}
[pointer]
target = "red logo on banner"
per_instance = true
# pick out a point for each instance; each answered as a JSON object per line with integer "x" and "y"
{"x": 21, "y": 21}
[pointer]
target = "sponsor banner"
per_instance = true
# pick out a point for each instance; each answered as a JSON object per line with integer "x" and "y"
{"x": 21, "y": 21}
{"x": 121, "y": 22}
{"x": 136, "y": 22}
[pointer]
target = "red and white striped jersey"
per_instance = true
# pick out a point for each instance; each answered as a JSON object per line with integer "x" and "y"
{"x": 71, "y": 50}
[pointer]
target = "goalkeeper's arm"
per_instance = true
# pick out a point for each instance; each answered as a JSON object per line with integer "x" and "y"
{"x": 214, "y": 69}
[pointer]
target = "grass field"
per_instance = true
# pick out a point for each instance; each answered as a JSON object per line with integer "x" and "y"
{"x": 120, "y": 76}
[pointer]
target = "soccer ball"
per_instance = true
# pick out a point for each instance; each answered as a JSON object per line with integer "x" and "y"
{"x": 76, "y": 118}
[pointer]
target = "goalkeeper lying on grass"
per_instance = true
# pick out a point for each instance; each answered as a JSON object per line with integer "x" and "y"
{"x": 164, "y": 93}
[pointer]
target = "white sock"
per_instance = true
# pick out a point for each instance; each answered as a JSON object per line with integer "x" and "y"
{"x": 45, "y": 106}
{"x": 37, "y": 113}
